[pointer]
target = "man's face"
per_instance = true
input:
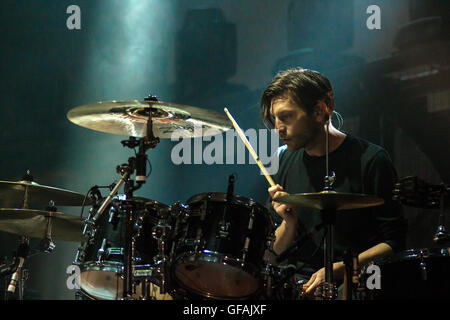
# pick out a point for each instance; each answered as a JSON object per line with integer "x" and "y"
{"x": 296, "y": 127}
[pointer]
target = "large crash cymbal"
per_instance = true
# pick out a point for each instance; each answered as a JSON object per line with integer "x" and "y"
{"x": 331, "y": 200}
{"x": 129, "y": 118}
{"x": 33, "y": 223}
{"x": 29, "y": 194}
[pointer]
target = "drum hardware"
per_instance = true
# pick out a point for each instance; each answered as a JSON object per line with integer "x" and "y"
{"x": 285, "y": 283}
{"x": 442, "y": 236}
{"x": 137, "y": 164}
{"x": 162, "y": 232}
{"x": 7, "y": 268}
{"x": 422, "y": 265}
{"x": 351, "y": 275}
{"x": 47, "y": 244}
{"x": 268, "y": 271}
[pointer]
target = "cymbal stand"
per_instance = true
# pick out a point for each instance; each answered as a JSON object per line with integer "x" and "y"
{"x": 137, "y": 164}
{"x": 442, "y": 236}
{"x": 328, "y": 215}
{"x": 47, "y": 245}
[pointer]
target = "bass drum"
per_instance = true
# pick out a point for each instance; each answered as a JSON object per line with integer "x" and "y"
{"x": 147, "y": 291}
{"x": 219, "y": 246}
{"x": 412, "y": 274}
{"x": 101, "y": 257}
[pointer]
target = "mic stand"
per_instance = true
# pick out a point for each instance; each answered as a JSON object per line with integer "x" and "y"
{"x": 19, "y": 275}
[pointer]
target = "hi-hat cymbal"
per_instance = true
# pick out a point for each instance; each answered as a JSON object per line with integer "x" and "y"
{"x": 33, "y": 223}
{"x": 330, "y": 200}
{"x": 129, "y": 118}
{"x": 29, "y": 194}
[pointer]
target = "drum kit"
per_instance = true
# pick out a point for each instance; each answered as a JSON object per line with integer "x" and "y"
{"x": 214, "y": 246}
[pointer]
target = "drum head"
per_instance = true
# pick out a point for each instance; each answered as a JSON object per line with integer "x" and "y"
{"x": 213, "y": 275}
{"x": 102, "y": 284}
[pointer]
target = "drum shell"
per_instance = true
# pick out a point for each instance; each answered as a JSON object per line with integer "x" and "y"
{"x": 413, "y": 274}
{"x": 236, "y": 242}
{"x": 102, "y": 275}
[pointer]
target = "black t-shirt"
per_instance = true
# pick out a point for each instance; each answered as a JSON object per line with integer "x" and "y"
{"x": 360, "y": 167}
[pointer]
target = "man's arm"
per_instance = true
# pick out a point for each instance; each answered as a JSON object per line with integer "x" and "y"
{"x": 284, "y": 235}
{"x": 287, "y": 230}
{"x": 377, "y": 251}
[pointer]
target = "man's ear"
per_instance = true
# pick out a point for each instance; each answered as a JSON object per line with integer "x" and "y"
{"x": 321, "y": 109}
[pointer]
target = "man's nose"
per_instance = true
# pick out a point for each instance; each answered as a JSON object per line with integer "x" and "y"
{"x": 279, "y": 127}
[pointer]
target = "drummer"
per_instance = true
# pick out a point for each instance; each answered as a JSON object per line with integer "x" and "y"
{"x": 298, "y": 103}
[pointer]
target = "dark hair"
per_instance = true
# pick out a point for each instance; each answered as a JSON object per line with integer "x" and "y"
{"x": 304, "y": 86}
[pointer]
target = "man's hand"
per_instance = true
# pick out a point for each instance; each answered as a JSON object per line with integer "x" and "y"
{"x": 319, "y": 277}
{"x": 285, "y": 211}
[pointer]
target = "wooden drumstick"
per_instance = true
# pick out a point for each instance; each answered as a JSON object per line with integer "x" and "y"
{"x": 250, "y": 149}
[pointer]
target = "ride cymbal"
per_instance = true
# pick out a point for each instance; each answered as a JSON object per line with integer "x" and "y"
{"x": 330, "y": 200}
{"x": 129, "y": 118}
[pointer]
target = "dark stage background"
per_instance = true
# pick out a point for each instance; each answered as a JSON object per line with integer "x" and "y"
{"x": 391, "y": 86}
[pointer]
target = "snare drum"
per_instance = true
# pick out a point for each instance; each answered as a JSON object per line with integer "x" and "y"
{"x": 219, "y": 246}
{"x": 413, "y": 274}
{"x": 101, "y": 260}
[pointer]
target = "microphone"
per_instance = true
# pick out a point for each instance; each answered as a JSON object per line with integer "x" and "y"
{"x": 141, "y": 164}
{"x": 230, "y": 190}
{"x": 15, "y": 276}
{"x": 22, "y": 253}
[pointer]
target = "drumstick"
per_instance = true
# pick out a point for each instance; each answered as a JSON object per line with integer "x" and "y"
{"x": 250, "y": 149}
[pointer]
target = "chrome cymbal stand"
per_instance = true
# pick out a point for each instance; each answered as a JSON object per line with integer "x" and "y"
{"x": 329, "y": 290}
{"x": 161, "y": 232}
{"x": 137, "y": 164}
{"x": 442, "y": 236}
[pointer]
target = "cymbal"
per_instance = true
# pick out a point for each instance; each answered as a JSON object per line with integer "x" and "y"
{"x": 32, "y": 223}
{"x": 330, "y": 200}
{"x": 129, "y": 118}
{"x": 29, "y": 194}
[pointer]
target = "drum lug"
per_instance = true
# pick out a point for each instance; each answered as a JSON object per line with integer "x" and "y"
{"x": 223, "y": 230}
{"x": 423, "y": 267}
{"x": 80, "y": 256}
{"x": 138, "y": 226}
{"x": 101, "y": 252}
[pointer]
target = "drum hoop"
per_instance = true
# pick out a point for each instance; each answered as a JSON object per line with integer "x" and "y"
{"x": 414, "y": 254}
{"x": 220, "y": 258}
{"x": 222, "y": 197}
{"x": 116, "y": 267}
